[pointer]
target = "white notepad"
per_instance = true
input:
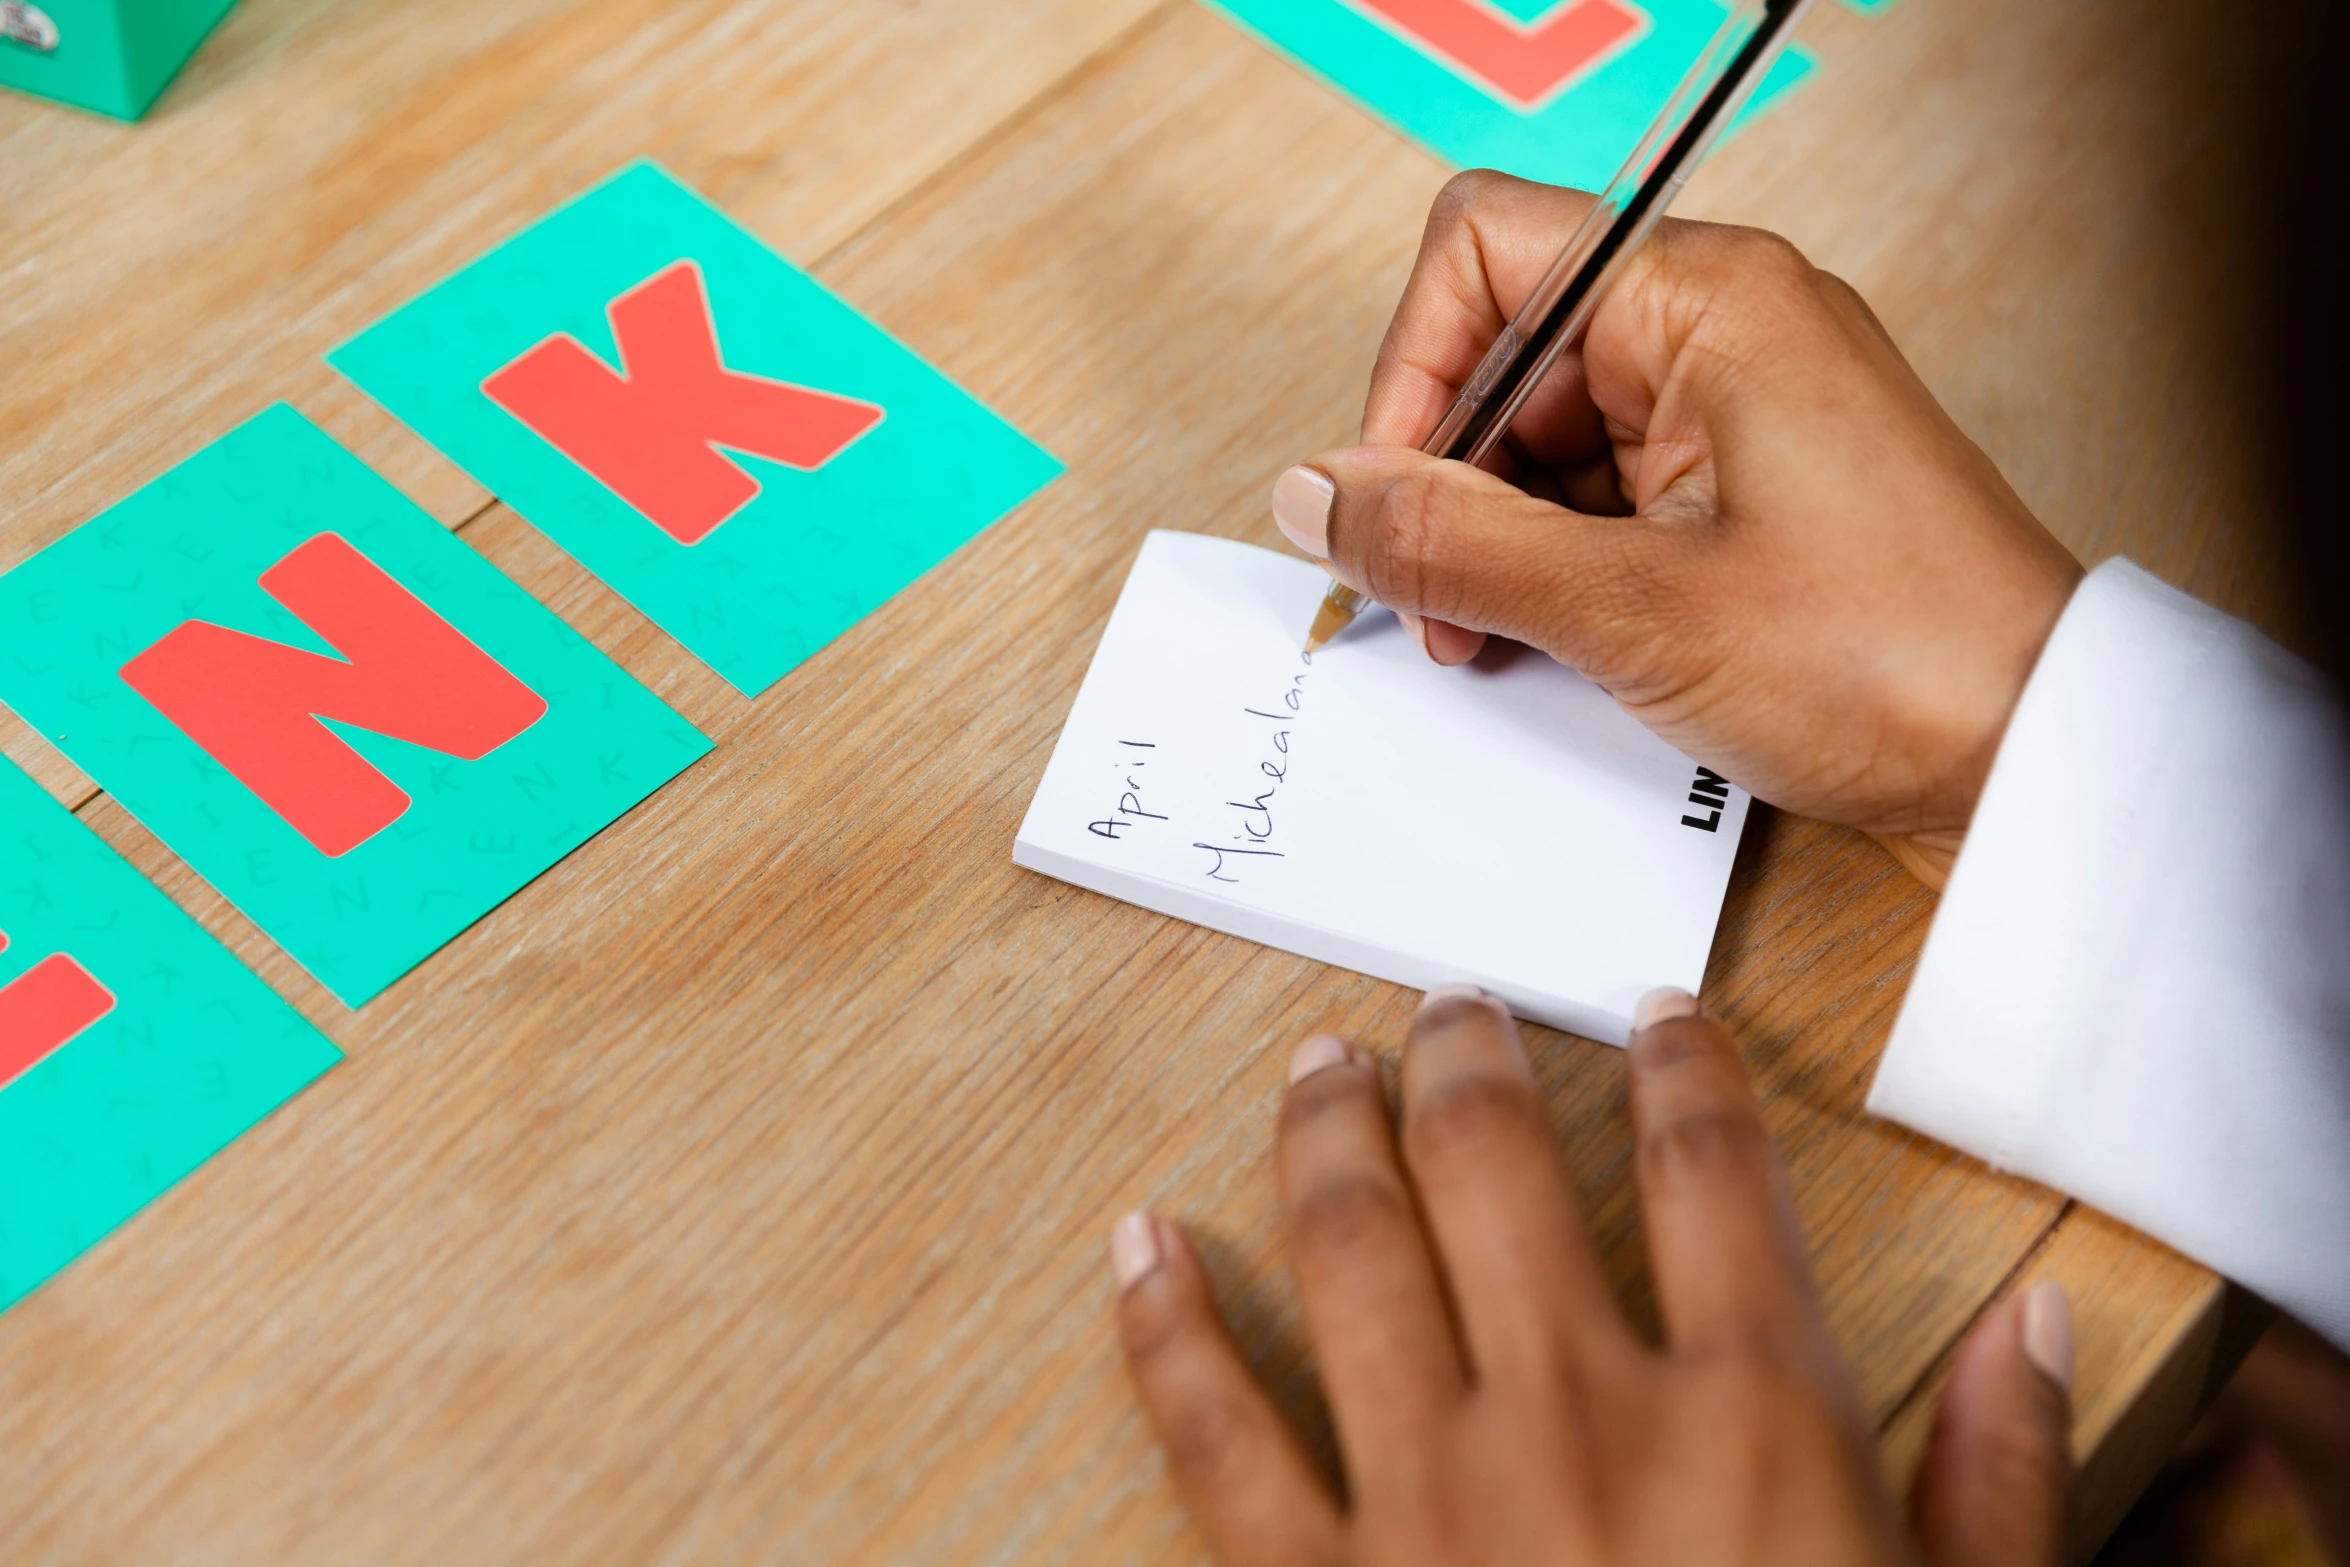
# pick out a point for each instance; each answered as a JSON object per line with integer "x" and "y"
{"x": 1505, "y": 825}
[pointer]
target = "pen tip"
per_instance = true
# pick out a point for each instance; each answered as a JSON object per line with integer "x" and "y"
{"x": 1329, "y": 620}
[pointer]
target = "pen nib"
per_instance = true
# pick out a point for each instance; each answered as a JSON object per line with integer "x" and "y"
{"x": 1332, "y": 618}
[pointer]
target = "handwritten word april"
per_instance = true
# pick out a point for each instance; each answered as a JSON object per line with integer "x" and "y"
{"x": 1256, "y": 821}
{"x": 1130, "y": 811}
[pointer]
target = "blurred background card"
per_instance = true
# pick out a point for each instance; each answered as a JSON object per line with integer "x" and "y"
{"x": 1553, "y": 90}
{"x": 114, "y": 57}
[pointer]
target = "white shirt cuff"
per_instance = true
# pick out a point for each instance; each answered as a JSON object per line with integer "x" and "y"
{"x": 2137, "y": 988}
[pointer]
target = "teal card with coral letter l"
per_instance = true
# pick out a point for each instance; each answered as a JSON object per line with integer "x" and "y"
{"x": 361, "y": 732}
{"x": 720, "y": 439}
{"x": 133, "y": 1047}
{"x": 1554, "y": 90}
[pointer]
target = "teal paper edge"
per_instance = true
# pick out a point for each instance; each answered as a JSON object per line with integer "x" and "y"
{"x": 373, "y": 361}
{"x": 84, "y": 1147}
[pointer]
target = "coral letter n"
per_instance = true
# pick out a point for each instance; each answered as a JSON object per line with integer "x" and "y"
{"x": 255, "y": 705}
{"x": 652, "y": 435}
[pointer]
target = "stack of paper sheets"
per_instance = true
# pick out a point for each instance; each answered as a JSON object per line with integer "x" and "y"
{"x": 1505, "y": 824}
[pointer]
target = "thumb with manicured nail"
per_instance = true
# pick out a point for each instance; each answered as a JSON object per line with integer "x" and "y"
{"x": 1996, "y": 1484}
{"x": 1460, "y": 550}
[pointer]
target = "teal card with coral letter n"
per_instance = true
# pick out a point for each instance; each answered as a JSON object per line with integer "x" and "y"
{"x": 724, "y": 442}
{"x": 133, "y": 1047}
{"x": 361, "y": 732}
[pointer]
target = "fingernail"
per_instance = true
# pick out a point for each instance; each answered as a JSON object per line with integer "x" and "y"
{"x": 1416, "y": 627}
{"x": 1444, "y": 993}
{"x": 1134, "y": 1249}
{"x": 1318, "y": 1054}
{"x": 2048, "y": 1332}
{"x": 1301, "y": 509}
{"x": 1662, "y": 1005}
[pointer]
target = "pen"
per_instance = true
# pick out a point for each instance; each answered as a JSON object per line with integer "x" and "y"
{"x": 1555, "y": 317}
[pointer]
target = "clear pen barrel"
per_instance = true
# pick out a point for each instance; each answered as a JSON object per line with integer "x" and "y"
{"x": 1709, "y": 99}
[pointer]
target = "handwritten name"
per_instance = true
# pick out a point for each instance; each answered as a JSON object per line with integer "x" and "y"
{"x": 1259, "y": 829}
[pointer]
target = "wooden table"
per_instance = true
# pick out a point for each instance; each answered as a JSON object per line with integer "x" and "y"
{"x": 738, "y": 1191}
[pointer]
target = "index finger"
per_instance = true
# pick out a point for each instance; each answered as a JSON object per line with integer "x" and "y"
{"x": 1731, "y": 1270}
{"x": 1525, "y": 1276}
{"x": 1489, "y": 241}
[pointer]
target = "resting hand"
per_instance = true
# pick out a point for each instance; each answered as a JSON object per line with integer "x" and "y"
{"x": 1492, "y": 1405}
{"x": 1739, "y": 511}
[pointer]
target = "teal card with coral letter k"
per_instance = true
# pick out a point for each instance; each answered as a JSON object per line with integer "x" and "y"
{"x": 729, "y": 446}
{"x": 357, "y": 729}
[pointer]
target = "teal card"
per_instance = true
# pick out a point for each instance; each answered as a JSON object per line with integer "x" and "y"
{"x": 731, "y": 448}
{"x": 358, "y": 730}
{"x": 133, "y": 1047}
{"x": 1554, "y": 90}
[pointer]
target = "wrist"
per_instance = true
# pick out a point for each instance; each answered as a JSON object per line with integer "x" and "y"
{"x": 2012, "y": 645}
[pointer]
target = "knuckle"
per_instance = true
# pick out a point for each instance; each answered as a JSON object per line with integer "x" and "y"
{"x": 1850, "y": 308}
{"x": 1202, "y": 1437}
{"x": 1336, "y": 1092}
{"x": 1759, "y": 253}
{"x": 1440, "y": 1012}
{"x": 1404, "y": 534}
{"x": 1676, "y": 1044}
{"x": 1345, "y": 1215}
{"x": 1469, "y": 1116}
{"x": 1759, "y": 287}
{"x": 1745, "y": 1394}
{"x": 1842, "y": 295}
{"x": 2025, "y": 1459}
{"x": 1463, "y": 194}
{"x": 1701, "y": 1145}
{"x": 1151, "y": 1322}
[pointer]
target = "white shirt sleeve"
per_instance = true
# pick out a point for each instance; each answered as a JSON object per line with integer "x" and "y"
{"x": 2137, "y": 988}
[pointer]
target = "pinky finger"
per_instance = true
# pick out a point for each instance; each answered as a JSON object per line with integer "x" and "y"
{"x": 1242, "y": 1473}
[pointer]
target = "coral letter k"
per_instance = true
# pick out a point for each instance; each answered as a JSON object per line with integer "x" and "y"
{"x": 652, "y": 435}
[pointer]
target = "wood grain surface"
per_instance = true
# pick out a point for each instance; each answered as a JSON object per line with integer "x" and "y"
{"x": 738, "y": 1191}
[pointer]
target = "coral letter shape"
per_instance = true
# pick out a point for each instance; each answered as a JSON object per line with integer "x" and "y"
{"x": 652, "y": 435}
{"x": 254, "y": 705}
{"x": 1525, "y": 63}
{"x": 42, "y": 1009}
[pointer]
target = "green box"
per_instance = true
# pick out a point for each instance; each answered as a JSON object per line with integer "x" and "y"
{"x": 112, "y": 56}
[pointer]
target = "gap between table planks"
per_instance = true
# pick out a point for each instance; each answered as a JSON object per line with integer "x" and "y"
{"x": 605, "y": 1244}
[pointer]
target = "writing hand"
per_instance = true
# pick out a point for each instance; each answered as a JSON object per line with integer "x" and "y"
{"x": 1739, "y": 511}
{"x": 1491, "y": 1403}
